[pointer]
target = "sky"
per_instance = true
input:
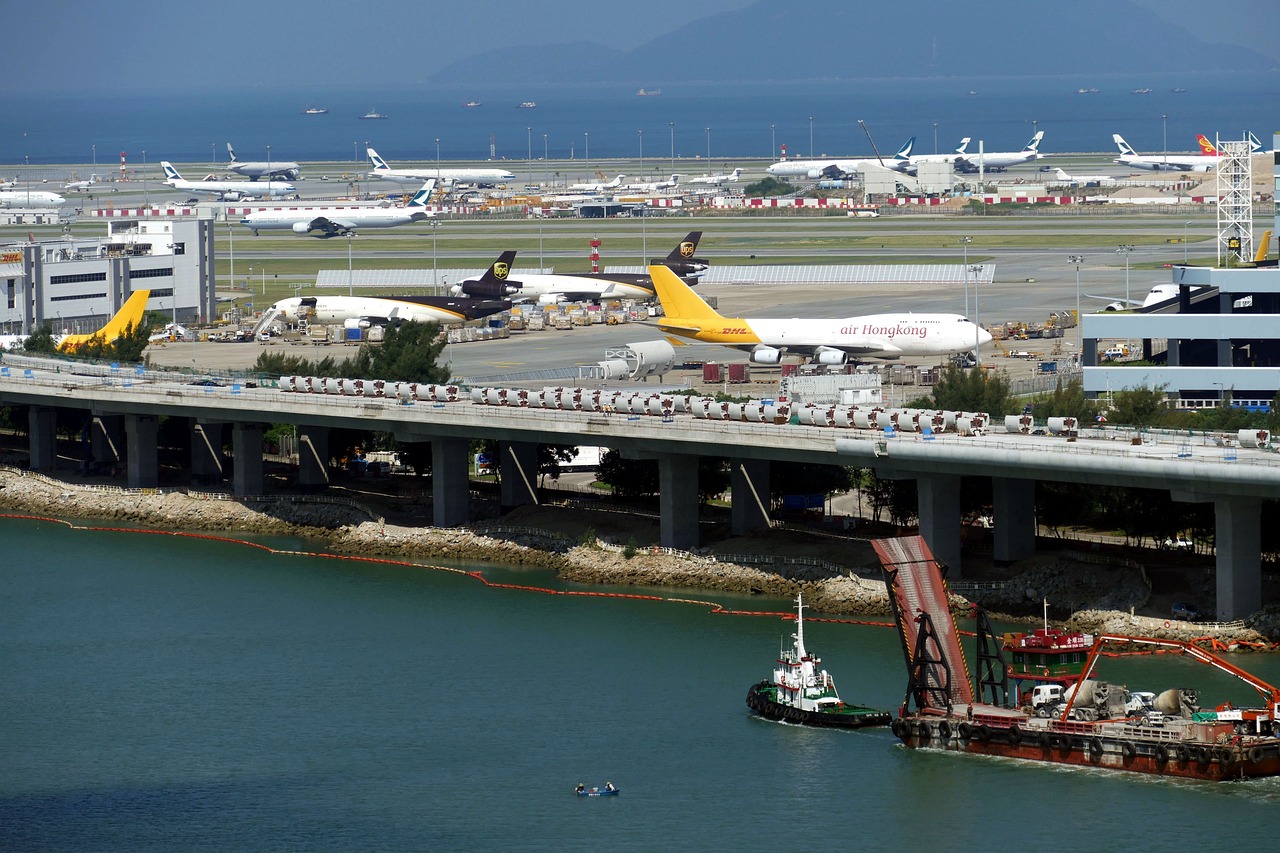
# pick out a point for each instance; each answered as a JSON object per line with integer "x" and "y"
{"x": 160, "y": 46}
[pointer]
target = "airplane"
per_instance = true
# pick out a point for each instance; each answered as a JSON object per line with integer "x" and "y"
{"x": 1208, "y": 148}
{"x": 129, "y": 315}
{"x": 461, "y": 175}
{"x": 324, "y": 222}
{"x": 839, "y": 167}
{"x": 551, "y": 289}
{"x": 253, "y": 171}
{"x": 717, "y": 180}
{"x": 1064, "y": 178}
{"x": 654, "y": 186}
{"x": 30, "y": 198}
{"x": 998, "y": 161}
{"x": 379, "y": 310}
{"x": 913, "y": 161}
{"x": 825, "y": 341}
{"x": 227, "y": 190}
{"x": 82, "y": 186}
{"x": 598, "y": 187}
{"x": 1163, "y": 162}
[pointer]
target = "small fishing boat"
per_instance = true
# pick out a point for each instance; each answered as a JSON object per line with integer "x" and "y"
{"x": 315, "y": 111}
{"x": 372, "y": 115}
{"x": 607, "y": 791}
{"x": 528, "y": 105}
{"x": 473, "y": 104}
{"x": 800, "y": 692}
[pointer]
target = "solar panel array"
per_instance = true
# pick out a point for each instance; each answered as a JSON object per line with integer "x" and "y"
{"x": 839, "y": 274}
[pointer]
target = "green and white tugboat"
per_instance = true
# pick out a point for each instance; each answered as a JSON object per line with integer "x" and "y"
{"x": 801, "y": 693}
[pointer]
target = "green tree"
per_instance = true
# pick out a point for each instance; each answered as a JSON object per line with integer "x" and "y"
{"x": 41, "y": 340}
{"x": 767, "y": 187}
{"x": 1140, "y": 407}
{"x": 408, "y": 353}
{"x": 795, "y": 478}
{"x": 1065, "y": 401}
{"x": 958, "y": 389}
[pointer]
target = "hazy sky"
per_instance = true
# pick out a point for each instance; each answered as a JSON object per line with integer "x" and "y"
{"x": 160, "y": 45}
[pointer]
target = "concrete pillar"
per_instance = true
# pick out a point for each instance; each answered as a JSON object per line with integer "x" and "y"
{"x": 106, "y": 438}
{"x": 678, "y": 500}
{"x": 143, "y": 462}
{"x": 1238, "y": 536}
{"x": 451, "y": 499}
{"x": 207, "y": 462}
{"x": 519, "y": 461}
{"x": 1225, "y": 357}
{"x": 749, "y": 484}
{"x": 1089, "y": 352}
{"x": 246, "y": 441}
{"x": 42, "y": 429}
{"x": 313, "y": 456}
{"x": 1015, "y": 519}
{"x": 938, "y": 500}
{"x": 1174, "y": 353}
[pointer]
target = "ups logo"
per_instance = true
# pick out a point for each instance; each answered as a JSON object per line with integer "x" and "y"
{"x": 687, "y": 249}
{"x": 501, "y": 270}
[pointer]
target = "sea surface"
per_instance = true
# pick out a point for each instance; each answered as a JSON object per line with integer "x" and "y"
{"x": 168, "y": 693}
{"x": 592, "y": 122}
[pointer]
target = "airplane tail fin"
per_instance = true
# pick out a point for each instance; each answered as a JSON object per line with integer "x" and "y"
{"x": 130, "y": 314}
{"x": 499, "y": 270}
{"x": 231, "y": 152}
{"x": 1061, "y": 175}
{"x": 677, "y": 298}
{"x": 378, "y": 162}
{"x": 904, "y": 152}
{"x": 422, "y": 196}
{"x": 1255, "y": 144}
{"x": 735, "y": 174}
{"x": 1263, "y": 245}
{"x": 170, "y": 173}
{"x": 685, "y": 249}
{"x": 1126, "y": 150}
{"x": 1206, "y": 147}
{"x": 1034, "y": 145}
{"x": 964, "y": 144}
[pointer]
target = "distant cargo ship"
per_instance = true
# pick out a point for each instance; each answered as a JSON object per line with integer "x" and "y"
{"x": 315, "y": 111}
{"x": 373, "y": 114}
{"x": 648, "y": 93}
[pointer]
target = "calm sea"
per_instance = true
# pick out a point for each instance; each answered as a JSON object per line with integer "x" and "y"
{"x": 591, "y": 122}
{"x": 164, "y": 693}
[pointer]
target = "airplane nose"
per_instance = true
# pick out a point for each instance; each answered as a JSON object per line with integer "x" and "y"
{"x": 984, "y": 337}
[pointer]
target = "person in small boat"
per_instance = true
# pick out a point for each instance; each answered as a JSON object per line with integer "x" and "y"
{"x": 608, "y": 786}
{"x": 581, "y": 788}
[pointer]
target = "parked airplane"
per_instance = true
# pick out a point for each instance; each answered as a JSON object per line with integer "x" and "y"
{"x": 82, "y": 186}
{"x": 369, "y": 311}
{"x": 227, "y": 190}
{"x": 717, "y": 180}
{"x": 998, "y": 161}
{"x": 456, "y": 175}
{"x": 325, "y": 222}
{"x": 253, "y": 171}
{"x": 30, "y": 198}
{"x": 1207, "y": 147}
{"x": 1064, "y": 178}
{"x": 825, "y": 341}
{"x": 654, "y": 186}
{"x": 1163, "y": 162}
{"x": 598, "y": 187}
{"x": 129, "y": 316}
{"x": 913, "y": 161}
{"x": 839, "y": 167}
{"x": 550, "y": 289}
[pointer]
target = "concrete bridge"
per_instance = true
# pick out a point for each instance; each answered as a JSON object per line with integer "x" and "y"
{"x": 125, "y": 406}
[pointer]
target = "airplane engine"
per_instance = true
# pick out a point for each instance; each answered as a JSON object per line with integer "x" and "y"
{"x": 485, "y": 290}
{"x": 301, "y": 227}
{"x": 293, "y": 174}
{"x": 766, "y": 355}
{"x": 693, "y": 267}
{"x": 551, "y": 299}
{"x": 825, "y": 355}
{"x": 813, "y": 174}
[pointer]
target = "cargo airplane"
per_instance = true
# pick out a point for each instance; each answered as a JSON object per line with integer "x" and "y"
{"x": 551, "y": 289}
{"x": 998, "y": 161}
{"x": 826, "y": 341}
{"x": 129, "y": 315}
{"x": 227, "y": 190}
{"x": 453, "y": 175}
{"x": 1163, "y": 162}
{"x": 341, "y": 221}
{"x": 253, "y": 171}
{"x": 366, "y": 311}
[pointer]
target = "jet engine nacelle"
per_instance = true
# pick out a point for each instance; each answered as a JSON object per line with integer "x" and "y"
{"x": 485, "y": 289}
{"x": 814, "y": 174}
{"x": 301, "y": 227}
{"x": 766, "y": 355}
{"x": 690, "y": 267}
{"x": 551, "y": 299}
{"x": 293, "y": 174}
{"x": 827, "y": 355}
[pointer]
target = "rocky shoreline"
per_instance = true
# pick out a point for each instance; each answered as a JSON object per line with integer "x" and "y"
{"x": 1112, "y": 592}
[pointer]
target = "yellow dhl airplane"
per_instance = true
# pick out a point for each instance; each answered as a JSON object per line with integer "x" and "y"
{"x": 825, "y": 341}
{"x": 130, "y": 313}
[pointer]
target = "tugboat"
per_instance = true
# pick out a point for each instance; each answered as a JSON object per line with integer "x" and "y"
{"x": 1069, "y": 716}
{"x": 801, "y": 693}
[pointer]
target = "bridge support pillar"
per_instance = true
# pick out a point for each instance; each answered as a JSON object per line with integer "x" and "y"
{"x": 451, "y": 500}
{"x": 143, "y": 464}
{"x": 519, "y": 461}
{"x": 1238, "y": 536}
{"x": 246, "y": 439}
{"x": 313, "y": 455}
{"x": 678, "y": 500}
{"x": 1015, "y": 519}
{"x": 749, "y": 482}
{"x": 207, "y": 463}
{"x": 106, "y": 439}
{"x": 42, "y": 431}
{"x": 938, "y": 500}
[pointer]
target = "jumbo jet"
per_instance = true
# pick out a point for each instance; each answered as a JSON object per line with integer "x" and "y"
{"x": 717, "y": 180}
{"x": 839, "y": 167}
{"x": 253, "y": 171}
{"x": 227, "y": 190}
{"x": 598, "y": 187}
{"x": 380, "y": 310}
{"x": 828, "y": 341}
{"x": 998, "y": 161}
{"x": 30, "y": 198}
{"x": 324, "y": 222}
{"x": 1163, "y": 162}
{"x": 453, "y": 175}
{"x": 548, "y": 289}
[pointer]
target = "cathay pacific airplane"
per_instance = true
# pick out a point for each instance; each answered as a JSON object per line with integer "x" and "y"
{"x": 998, "y": 161}
{"x": 227, "y": 190}
{"x": 274, "y": 169}
{"x": 1163, "y": 162}
{"x": 340, "y": 221}
{"x": 839, "y": 167}
{"x": 30, "y": 198}
{"x": 450, "y": 175}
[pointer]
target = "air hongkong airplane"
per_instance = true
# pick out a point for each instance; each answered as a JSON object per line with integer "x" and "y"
{"x": 837, "y": 167}
{"x": 253, "y": 171}
{"x": 340, "y": 221}
{"x": 380, "y": 310}
{"x": 833, "y": 342}
{"x": 1163, "y": 162}
{"x": 998, "y": 161}
{"x": 453, "y": 175}
{"x": 548, "y": 289}
{"x": 227, "y": 190}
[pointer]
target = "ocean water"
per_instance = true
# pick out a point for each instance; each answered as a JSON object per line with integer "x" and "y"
{"x": 589, "y": 123}
{"x": 165, "y": 693}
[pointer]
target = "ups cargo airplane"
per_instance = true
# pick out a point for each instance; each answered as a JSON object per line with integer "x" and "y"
{"x": 369, "y": 311}
{"x": 452, "y": 175}
{"x": 833, "y": 341}
{"x": 325, "y": 222}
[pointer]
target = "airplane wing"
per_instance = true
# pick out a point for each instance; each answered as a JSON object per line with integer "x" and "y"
{"x": 329, "y": 227}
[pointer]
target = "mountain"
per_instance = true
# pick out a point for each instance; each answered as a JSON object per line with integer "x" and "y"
{"x": 837, "y": 39}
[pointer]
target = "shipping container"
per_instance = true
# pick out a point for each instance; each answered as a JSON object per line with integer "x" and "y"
{"x": 711, "y": 372}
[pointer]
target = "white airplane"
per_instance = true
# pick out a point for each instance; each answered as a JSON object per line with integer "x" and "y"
{"x": 227, "y": 190}
{"x": 717, "y": 180}
{"x": 30, "y": 198}
{"x": 456, "y": 175}
{"x": 551, "y": 289}
{"x": 253, "y": 171}
{"x": 839, "y": 167}
{"x": 1064, "y": 178}
{"x": 998, "y": 161}
{"x": 1163, "y": 162}
{"x": 654, "y": 186}
{"x": 825, "y": 341}
{"x": 914, "y": 160}
{"x": 598, "y": 187}
{"x": 379, "y": 310}
{"x": 82, "y": 186}
{"x": 340, "y": 221}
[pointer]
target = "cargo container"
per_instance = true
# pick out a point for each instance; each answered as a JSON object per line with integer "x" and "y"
{"x": 711, "y": 372}
{"x": 738, "y": 372}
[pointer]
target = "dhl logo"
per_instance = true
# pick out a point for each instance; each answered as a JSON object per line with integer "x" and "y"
{"x": 734, "y": 330}
{"x": 501, "y": 271}
{"x": 687, "y": 249}
{"x": 11, "y": 258}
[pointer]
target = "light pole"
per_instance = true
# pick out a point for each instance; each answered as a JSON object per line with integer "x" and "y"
{"x": 94, "y": 146}
{"x": 773, "y": 141}
{"x": 435, "y": 263}
{"x": 1164, "y": 121}
{"x": 1125, "y": 250}
{"x": 213, "y": 154}
{"x": 350, "y": 283}
{"x": 708, "y": 130}
{"x": 528, "y": 131}
{"x": 977, "y": 323}
{"x": 545, "y": 167}
{"x": 810, "y": 137}
{"x": 586, "y": 149}
{"x": 935, "y": 137}
{"x": 964, "y": 243}
{"x": 1078, "y": 260}
{"x": 437, "y": 160}
{"x": 640, "y": 133}
{"x": 146, "y": 192}
{"x": 672, "y": 125}
{"x": 1184, "y": 242}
